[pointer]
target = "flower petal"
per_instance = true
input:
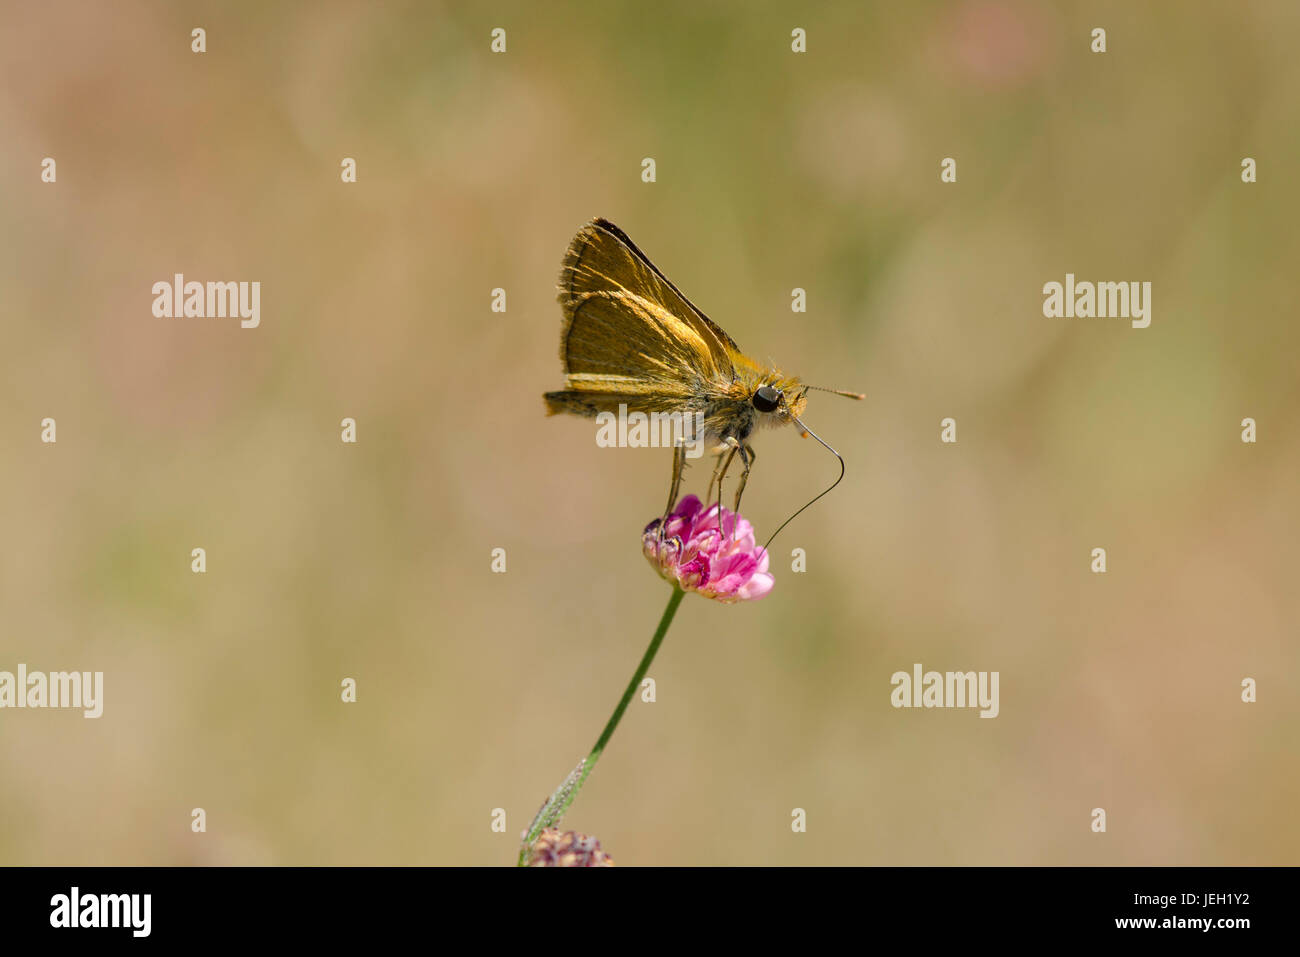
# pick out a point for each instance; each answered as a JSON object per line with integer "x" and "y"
{"x": 708, "y": 550}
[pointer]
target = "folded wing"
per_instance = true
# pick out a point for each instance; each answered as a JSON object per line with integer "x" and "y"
{"x": 629, "y": 331}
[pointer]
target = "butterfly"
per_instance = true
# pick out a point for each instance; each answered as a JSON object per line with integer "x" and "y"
{"x": 631, "y": 339}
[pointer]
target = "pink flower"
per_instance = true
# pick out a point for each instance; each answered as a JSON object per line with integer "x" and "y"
{"x": 700, "y": 556}
{"x": 568, "y": 849}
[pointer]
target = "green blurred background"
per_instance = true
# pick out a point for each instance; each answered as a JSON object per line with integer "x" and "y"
{"x": 775, "y": 170}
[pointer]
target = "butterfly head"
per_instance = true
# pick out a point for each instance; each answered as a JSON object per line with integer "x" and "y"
{"x": 781, "y": 398}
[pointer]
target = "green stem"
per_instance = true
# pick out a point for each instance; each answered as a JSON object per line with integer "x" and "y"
{"x": 559, "y": 802}
{"x": 641, "y": 669}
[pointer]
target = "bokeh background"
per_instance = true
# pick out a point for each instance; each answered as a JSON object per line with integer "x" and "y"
{"x": 775, "y": 170}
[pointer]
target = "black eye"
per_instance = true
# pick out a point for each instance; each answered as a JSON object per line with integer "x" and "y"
{"x": 766, "y": 399}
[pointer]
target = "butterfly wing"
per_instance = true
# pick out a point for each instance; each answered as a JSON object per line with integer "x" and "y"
{"x": 628, "y": 331}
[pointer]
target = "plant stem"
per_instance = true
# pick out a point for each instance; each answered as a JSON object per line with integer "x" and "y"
{"x": 559, "y": 802}
{"x": 641, "y": 669}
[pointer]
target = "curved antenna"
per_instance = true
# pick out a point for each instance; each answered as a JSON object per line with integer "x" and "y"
{"x": 814, "y": 498}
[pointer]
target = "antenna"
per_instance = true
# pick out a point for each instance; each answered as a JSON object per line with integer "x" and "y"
{"x": 844, "y": 392}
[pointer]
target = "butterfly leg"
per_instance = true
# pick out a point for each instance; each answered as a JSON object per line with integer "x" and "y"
{"x": 724, "y": 462}
{"x": 679, "y": 466}
{"x": 748, "y": 456}
{"x": 717, "y": 469}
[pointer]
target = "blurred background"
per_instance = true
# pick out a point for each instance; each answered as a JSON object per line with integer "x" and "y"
{"x": 775, "y": 170}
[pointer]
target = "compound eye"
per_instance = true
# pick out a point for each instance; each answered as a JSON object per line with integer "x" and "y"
{"x": 766, "y": 399}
